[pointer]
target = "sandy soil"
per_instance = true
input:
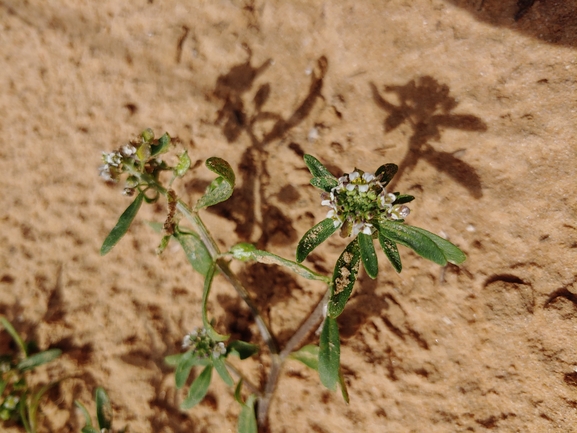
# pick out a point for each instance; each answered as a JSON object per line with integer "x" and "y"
{"x": 477, "y": 108}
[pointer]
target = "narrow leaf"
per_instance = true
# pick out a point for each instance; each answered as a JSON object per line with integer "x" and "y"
{"x": 391, "y": 251}
{"x": 15, "y": 336}
{"x": 122, "y": 225}
{"x": 308, "y": 355}
{"x": 220, "y": 367}
{"x": 185, "y": 364}
{"x": 368, "y": 255}
{"x": 403, "y": 198}
{"x": 242, "y": 349}
{"x": 451, "y": 252}
{"x": 198, "y": 389}
{"x": 89, "y": 429}
{"x": 221, "y": 188}
{"x": 344, "y": 277}
{"x": 407, "y": 236}
{"x": 84, "y": 412}
{"x": 39, "y": 359}
{"x": 103, "y": 409}
{"x": 206, "y": 323}
{"x": 196, "y": 253}
{"x": 173, "y": 360}
{"x": 272, "y": 259}
{"x": 316, "y": 168}
{"x": 343, "y": 385}
{"x": 247, "y": 418}
{"x": 325, "y": 183}
{"x": 237, "y": 392}
{"x": 386, "y": 172}
{"x": 314, "y": 237}
{"x": 329, "y": 354}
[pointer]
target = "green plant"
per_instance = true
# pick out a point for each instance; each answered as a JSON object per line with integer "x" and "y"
{"x": 103, "y": 414}
{"x": 360, "y": 207}
{"x": 20, "y": 403}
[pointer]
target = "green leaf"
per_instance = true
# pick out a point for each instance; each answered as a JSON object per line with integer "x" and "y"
{"x": 22, "y": 409}
{"x": 329, "y": 353}
{"x": 343, "y": 385}
{"x": 221, "y": 188}
{"x": 344, "y": 277}
{"x": 414, "y": 239}
{"x": 247, "y": 418}
{"x": 195, "y": 250}
{"x": 103, "y": 409}
{"x": 38, "y": 359}
{"x": 242, "y": 349}
{"x": 206, "y": 323}
{"x": 163, "y": 145}
{"x": 89, "y": 429}
{"x": 185, "y": 364}
{"x": 316, "y": 168}
{"x": 183, "y": 164}
{"x": 147, "y": 134}
{"x": 451, "y": 252}
{"x": 237, "y": 391}
{"x": 386, "y": 172}
{"x": 15, "y": 336}
{"x": 308, "y": 355}
{"x": 391, "y": 251}
{"x": 220, "y": 367}
{"x": 403, "y": 198}
{"x": 198, "y": 389}
{"x": 244, "y": 252}
{"x": 314, "y": 237}
{"x": 324, "y": 183}
{"x": 122, "y": 225}
{"x": 84, "y": 412}
{"x": 368, "y": 255}
{"x": 33, "y": 406}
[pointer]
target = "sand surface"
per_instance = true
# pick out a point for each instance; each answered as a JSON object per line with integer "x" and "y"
{"x": 478, "y": 109}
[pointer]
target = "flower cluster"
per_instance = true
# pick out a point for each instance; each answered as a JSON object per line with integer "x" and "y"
{"x": 113, "y": 166}
{"x": 359, "y": 201}
{"x": 202, "y": 345}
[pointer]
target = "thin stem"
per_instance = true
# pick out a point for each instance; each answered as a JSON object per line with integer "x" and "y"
{"x": 253, "y": 388}
{"x": 302, "y": 332}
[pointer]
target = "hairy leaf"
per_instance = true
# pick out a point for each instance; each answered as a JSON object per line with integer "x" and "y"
{"x": 344, "y": 277}
{"x": 391, "y": 251}
{"x": 368, "y": 255}
{"x": 221, "y": 188}
{"x": 39, "y": 359}
{"x": 15, "y": 336}
{"x": 314, "y": 237}
{"x": 451, "y": 252}
{"x": 103, "y": 409}
{"x": 386, "y": 172}
{"x": 198, "y": 389}
{"x": 316, "y": 168}
{"x": 247, "y": 418}
{"x": 329, "y": 354}
{"x": 325, "y": 183}
{"x": 220, "y": 367}
{"x": 308, "y": 355}
{"x": 122, "y": 225}
{"x": 206, "y": 323}
{"x": 183, "y": 164}
{"x": 242, "y": 349}
{"x": 195, "y": 250}
{"x": 162, "y": 147}
{"x": 84, "y": 411}
{"x": 414, "y": 239}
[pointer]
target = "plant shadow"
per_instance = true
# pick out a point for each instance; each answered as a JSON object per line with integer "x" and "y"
{"x": 426, "y": 106}
{"x": 248, "y": 207}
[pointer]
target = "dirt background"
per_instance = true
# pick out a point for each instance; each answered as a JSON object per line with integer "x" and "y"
{"x": 477, "y": 108}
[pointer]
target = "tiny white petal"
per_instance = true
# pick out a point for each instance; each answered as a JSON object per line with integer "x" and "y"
{"x": 368, "y": 230}
{"x": 363, "y": 188}
{"x": 367, "y": 177}
{"x": 326, "y": 203}
{"x": 350, "y": 187}
{"x": 354, "y": 175}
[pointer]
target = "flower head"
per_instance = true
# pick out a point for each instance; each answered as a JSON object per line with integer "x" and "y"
{"x": 202, "y": 345}
{"x": 359, "y": 201}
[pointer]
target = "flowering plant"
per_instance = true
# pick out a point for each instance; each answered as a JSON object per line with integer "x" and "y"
{"x": 359, "y": 206}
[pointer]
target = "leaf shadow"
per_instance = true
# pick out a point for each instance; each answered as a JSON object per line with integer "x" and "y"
{"x": 248, "y": 206}
{"x": 427, "y": 107}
